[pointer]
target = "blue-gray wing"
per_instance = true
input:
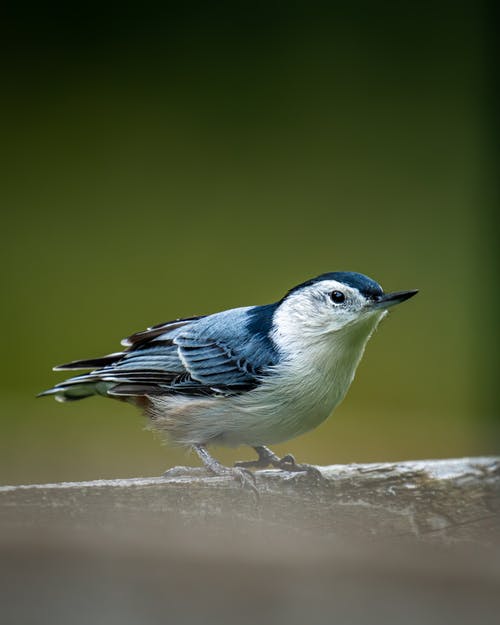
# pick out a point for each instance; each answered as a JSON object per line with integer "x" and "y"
{"x": 224, "y": 353}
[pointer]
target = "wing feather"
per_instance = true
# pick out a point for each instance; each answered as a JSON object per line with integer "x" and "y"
{"x": 215, "y": 354}
{"x": 134, "y": 341}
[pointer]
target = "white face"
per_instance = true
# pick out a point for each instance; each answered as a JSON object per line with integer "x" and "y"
{"x": 324, "y": 307}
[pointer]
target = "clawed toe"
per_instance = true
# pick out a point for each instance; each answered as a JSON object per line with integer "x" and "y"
{"x": 288, "y": 463}
{"x": 240, "y": 474}
{"x": 243, "y": 476}
{"x": 182, "y": 471}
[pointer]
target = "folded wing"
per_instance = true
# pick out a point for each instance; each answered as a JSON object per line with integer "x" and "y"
{"x": 217, "y": 354}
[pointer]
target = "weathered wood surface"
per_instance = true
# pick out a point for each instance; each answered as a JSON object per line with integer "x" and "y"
{"x": 444, "y": 500}
{"x": 410, "y": 542}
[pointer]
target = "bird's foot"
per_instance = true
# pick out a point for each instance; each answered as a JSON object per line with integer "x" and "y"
{"x": 288, "y": 463}
{"x": 268, "y": 458}
{"x": 240, "y": 474}
{"x": 182, "y": 471}
{"x": 244, "y": 477}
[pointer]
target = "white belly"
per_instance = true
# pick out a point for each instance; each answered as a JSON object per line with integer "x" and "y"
{"x": 278, "y": 411}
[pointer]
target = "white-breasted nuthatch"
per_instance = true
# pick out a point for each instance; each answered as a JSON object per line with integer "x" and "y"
{"x": 248, "y": 376}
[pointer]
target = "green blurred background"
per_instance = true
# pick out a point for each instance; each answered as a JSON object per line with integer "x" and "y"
{"x": 182, "y": 161}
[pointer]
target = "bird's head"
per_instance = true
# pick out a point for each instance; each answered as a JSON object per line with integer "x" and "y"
{"x": 333, "y": 302}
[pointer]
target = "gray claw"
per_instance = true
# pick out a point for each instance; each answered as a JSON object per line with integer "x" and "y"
{"x": 245, "y": 478}
{"x": 288, "y": 463}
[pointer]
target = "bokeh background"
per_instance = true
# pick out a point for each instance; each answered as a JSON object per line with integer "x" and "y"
{"x": 212, "y": 155}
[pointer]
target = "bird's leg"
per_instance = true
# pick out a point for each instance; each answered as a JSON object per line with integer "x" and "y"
{"x": 241, "y": 475}
{"x": 287, "y": 463}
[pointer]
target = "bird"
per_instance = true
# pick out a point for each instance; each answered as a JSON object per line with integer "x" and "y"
{"x": 254, "y": 375}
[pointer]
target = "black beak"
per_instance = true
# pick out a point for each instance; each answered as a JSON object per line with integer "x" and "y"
{"x": 391, "y": 299}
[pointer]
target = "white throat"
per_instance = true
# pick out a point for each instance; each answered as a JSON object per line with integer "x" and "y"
{"x": 318, "y": 367}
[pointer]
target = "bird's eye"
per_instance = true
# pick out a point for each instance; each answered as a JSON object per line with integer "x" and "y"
{"x": 337, "y": 297}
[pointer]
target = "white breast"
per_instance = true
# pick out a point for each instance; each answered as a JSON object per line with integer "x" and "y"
{"x": 312, "y": 378}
